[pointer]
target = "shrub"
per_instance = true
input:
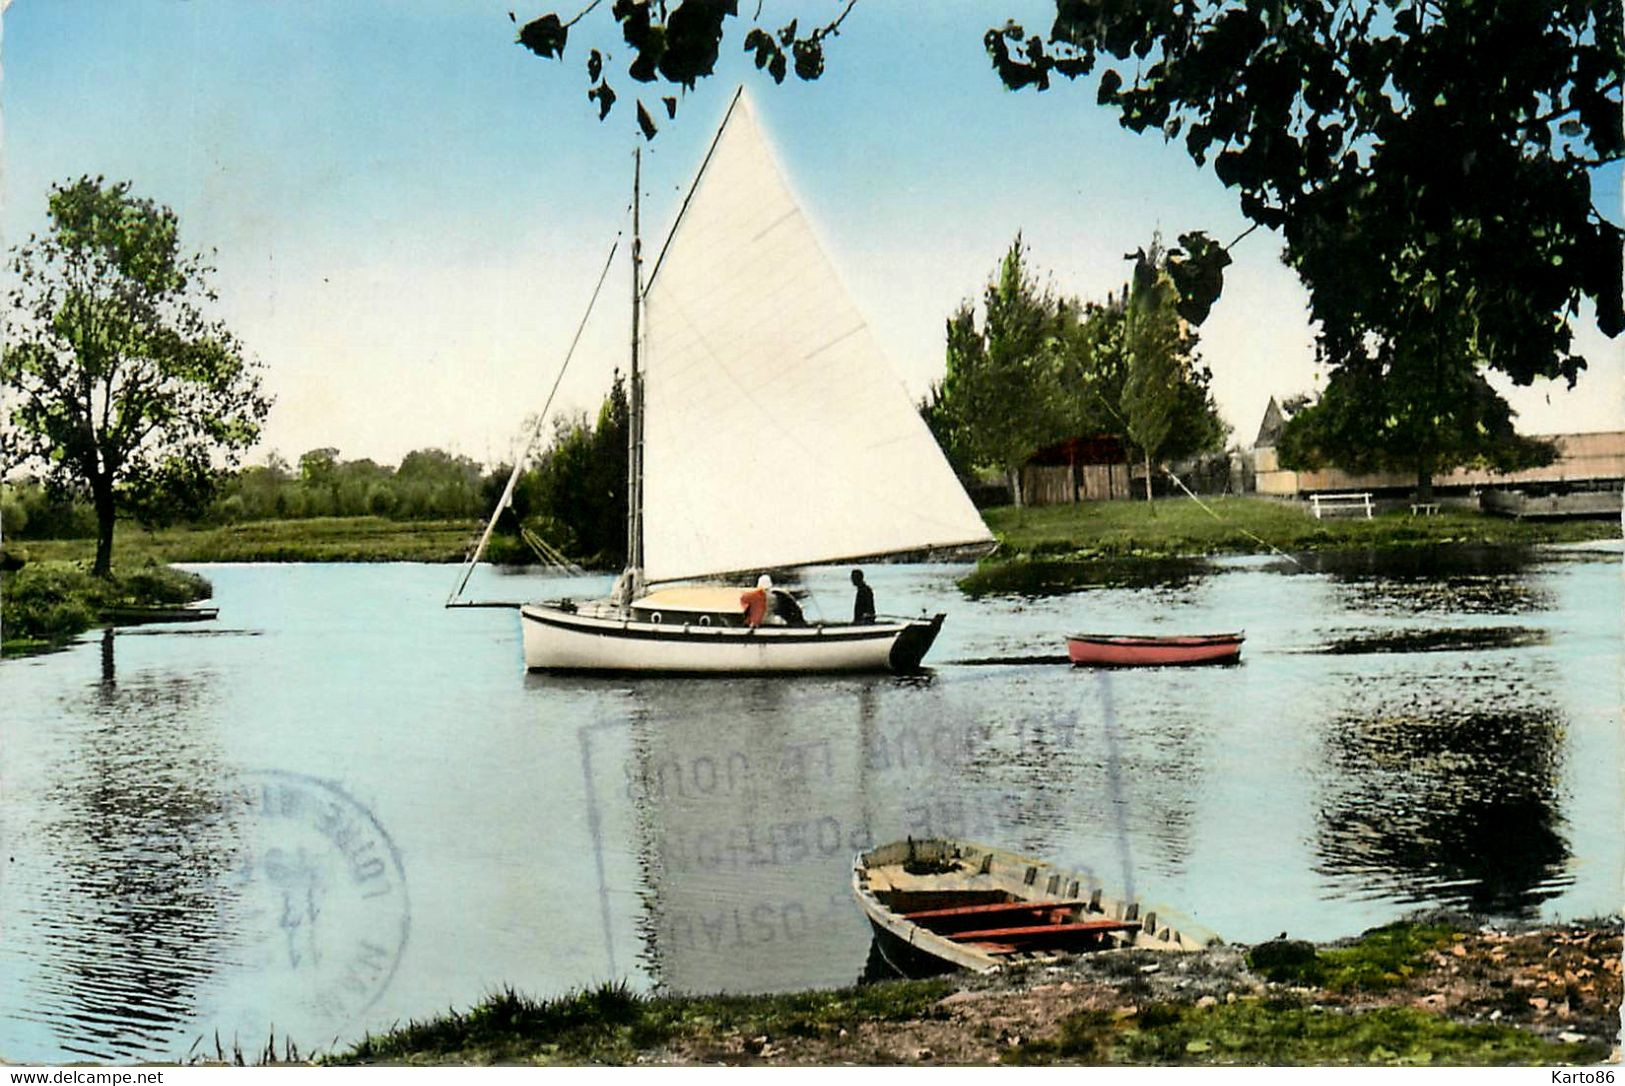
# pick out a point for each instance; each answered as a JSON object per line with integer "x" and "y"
{"x": 52, "y": 601}
{"x": 160, "y": 585}
{"x": 1289, "y": 961}
{"x": 47, "y": 601}
{"x": 13, "y": 517}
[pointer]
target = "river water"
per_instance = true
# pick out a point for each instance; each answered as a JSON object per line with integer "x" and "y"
{"x": 340, "y": 807}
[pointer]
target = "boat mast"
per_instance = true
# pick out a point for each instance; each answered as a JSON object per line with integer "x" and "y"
{"x": 634, "y": 428}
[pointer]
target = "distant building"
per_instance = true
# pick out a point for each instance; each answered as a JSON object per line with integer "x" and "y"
{"x": 1585, "y": 464}
{"x": 1269, "y": 430}
{"x": 1078, "y": 469}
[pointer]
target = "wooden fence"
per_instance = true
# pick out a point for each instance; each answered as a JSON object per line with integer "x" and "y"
{"x": 1063, "y": 483}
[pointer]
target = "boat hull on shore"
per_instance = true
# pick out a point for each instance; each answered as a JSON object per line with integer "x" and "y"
{"x": 557, "y": 639}
{"x": 1127, "y": 650}
{"x": 939, "y": 905}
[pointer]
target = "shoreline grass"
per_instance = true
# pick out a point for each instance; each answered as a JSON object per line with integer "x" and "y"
{"x": 611, "y": 1024}
{"x": 1168, "y": 528}
{"x": 1356, "y": 1002}
{"x": 44, "y": 604}
{"x": 317, "y": 539}
{"x": 1061, "y": 548}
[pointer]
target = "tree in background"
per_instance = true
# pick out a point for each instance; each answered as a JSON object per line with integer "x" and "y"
{"x": 575, "y": 496}
{"x": 428, "y": 483}
{"x": 1168, "y": 406}
{"x": 1154, "y": 342}
{"x": 1094, "y": 365}
{"x": 1366, "y": 421}
{"x": 1429, "y": 166}
{"x": 1000, "y": 397}
{"x": 1043, "y": 367}
{"x": 120, "y": 387}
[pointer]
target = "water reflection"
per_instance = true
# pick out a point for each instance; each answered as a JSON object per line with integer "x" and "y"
{"x": 745, "y": 804}
{"x": 1459, "y": 579}
{"x": 751, "y": 797}
{"x": 120, "y": 877}
{"x": 1460, "y": 806}
{"x": 698, "y": 834}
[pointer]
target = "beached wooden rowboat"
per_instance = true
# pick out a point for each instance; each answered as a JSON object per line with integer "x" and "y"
{"x": 1129, "y": 650}
{"x": 135, "y": 614}
{"x": 937, "y": 905}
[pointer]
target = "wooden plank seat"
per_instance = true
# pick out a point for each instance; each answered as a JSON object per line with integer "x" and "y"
{"x": 1005, "y": 914}
{"x": 991, "y": 910}
{"x": 997, "y": 948}
{"x": 1031, "y": 933}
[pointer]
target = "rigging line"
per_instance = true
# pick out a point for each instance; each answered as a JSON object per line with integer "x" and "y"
{"x": 1180, "y": 483}
{"x": 549, "y": 554}
{"x": 536, "y": 430}
{"x": 1221, "y": 520}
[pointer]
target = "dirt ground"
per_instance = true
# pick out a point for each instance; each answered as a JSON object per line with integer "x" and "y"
{"x": 1562, "y": 983}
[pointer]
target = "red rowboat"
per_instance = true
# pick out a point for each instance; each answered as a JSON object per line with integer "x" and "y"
{"x": 1128, "y": 650}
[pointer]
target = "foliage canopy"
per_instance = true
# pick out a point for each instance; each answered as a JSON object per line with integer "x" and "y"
{"x": 677, "y": 44}
{"x": 1429, "y": 165}
{"x": 1403, "y": 148}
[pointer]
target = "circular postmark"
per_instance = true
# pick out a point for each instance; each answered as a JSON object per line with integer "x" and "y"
{"x": 325, "y": 914}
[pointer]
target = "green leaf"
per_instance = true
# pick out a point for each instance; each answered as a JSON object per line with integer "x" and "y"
{"x": 545, "y": 36}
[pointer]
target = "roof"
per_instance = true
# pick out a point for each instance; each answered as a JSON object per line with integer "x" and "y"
{"x": 1092, "y": 449}
{"x": 1269, "y": 429}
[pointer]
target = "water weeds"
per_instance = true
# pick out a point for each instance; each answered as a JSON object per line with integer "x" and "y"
{"x": 1464, "y": 639}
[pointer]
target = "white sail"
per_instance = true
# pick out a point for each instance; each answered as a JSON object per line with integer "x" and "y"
{"x": 775, "y": 433}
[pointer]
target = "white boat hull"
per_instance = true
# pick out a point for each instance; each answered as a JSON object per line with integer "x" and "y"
{"x": 560, "y": 640}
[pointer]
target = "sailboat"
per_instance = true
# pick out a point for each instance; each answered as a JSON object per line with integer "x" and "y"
{"x": 766, "y": 433}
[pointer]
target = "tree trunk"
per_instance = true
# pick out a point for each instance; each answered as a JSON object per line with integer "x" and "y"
{"x": 102, "y": 496}
{"x": 1014, "y": 477}
{"x": 1148, "y": 480}
{"x": 1424, "y": 480}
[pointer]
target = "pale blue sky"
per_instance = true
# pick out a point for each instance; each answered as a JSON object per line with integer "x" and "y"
{"x": 409, "y": 210}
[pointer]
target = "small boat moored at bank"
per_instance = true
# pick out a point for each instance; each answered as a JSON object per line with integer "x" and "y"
{"x": 937, "y": 905}
{"x": 1130, "y": 650}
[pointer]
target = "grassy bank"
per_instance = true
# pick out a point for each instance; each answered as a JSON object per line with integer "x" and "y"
{"x": 1404, "y": 994}
{"x": 1060, "y": 548}
{"x": 46, "y": 603}
{"x": 612, "y": 1025}
{"x": 318, "y": 539}
{"x": 1180, "y": 527}
{"x": 1175, "y": 527}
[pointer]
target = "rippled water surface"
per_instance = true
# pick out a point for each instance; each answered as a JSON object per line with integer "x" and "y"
{"x": 340, "y": 806}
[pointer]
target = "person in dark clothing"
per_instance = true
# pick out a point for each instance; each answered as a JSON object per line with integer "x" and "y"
{"x": 785, "y": 608}
{"x": 863, "y": 606}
